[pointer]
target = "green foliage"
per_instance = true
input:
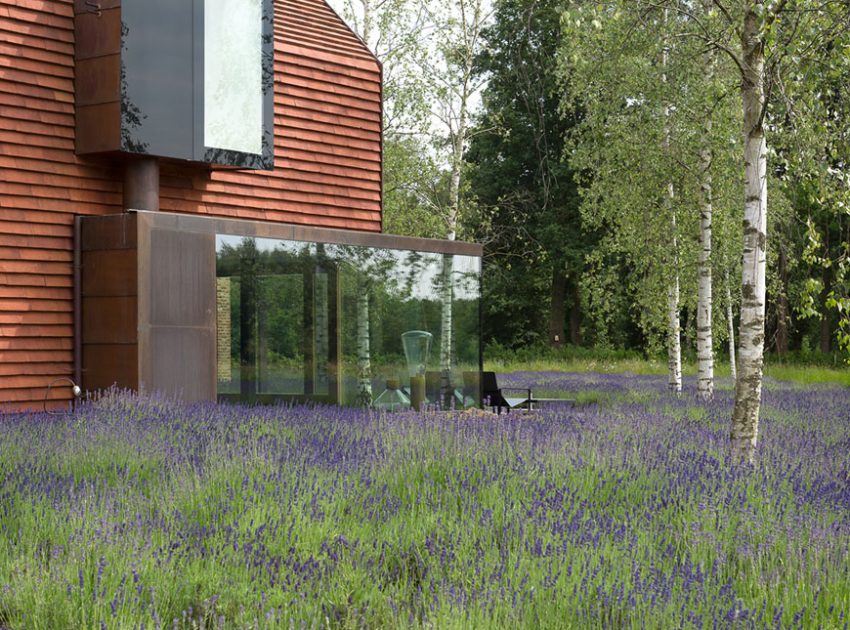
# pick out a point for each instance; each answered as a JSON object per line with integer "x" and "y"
{"x": 525, "y": 191}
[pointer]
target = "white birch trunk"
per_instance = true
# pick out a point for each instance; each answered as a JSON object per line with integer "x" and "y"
{"x": 674, "y": 343}
{"x": 458, "y": 149}
{"x": 322, "y": 348}
{"x": 446, "y": 330}
{"x": 745, "y": 415}
{"x": 364, "y": 363}
{"x": 730, "y": 319}
{"x": 705, "y": 347}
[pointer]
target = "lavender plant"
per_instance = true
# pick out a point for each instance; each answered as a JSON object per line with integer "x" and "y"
{"x": 622, "y": 511}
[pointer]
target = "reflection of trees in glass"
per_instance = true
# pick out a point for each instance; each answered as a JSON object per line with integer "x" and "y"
{"x": 233, "y": 75}
{"x": 321, "y": 323}
{"x": 384, "y": 294}
{"x": 371, "y": 268}
{"x": 131, "y": 115}
{"x": 248, "y": 267}
{"x": 269, "y": 325}
{"x": 446, "y": 300}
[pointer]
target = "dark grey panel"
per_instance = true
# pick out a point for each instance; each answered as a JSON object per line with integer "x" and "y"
{"x": 157, "y": 81}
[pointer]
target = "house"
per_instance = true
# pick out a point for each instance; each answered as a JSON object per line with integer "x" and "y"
{"x": 190, "y": 203}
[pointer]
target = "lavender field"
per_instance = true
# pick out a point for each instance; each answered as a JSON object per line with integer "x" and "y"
{"x": 620, "y": 512}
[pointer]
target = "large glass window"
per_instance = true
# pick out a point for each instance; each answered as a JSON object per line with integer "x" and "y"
{"x": 233, "y": 75}
{"x": 344, "y": 324}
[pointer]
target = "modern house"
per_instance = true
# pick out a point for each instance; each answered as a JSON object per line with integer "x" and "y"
{"x": 190, "y": 203}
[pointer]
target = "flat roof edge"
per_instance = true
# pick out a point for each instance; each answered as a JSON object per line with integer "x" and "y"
{"x": 293, "y": 232}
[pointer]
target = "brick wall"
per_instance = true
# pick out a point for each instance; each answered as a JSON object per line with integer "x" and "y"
{"x": 223, "y": 333}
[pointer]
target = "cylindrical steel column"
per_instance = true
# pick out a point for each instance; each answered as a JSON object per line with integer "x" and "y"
{"x": 141, "y": 184}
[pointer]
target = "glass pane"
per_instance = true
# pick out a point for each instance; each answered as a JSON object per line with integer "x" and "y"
{"x": 347, "y": 324}
{"x": 233, "y": 72}
{"x": 157, "y": 99}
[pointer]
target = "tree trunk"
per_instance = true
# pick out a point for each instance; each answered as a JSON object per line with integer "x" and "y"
{"x": 745, "y": 415}
{"x": 446, "y": 297}
{"x": 826, "y": 319}
{"x": 364, "y": 359}
{"x": 730, "y": 319}
{"x": 674, "y": 341}
{"x": 557, "y": 307}
{"x": 705, "y": 347}
{"x": 575, "y": 312}
{"x": 782, "y": 310}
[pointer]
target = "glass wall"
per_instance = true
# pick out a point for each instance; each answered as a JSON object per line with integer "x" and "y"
{"x": 346, "y": 324}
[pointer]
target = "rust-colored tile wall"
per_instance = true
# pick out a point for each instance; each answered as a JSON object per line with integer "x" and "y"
{"x": 327, "y": 168}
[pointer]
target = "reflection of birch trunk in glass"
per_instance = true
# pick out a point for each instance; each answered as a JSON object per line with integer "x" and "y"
{"x": 262, "y": 337}
{"x": 745, "y": 415}
{"x": 248, "y": 318}
{"x": 364, "y": 365}
{"x": 320, "y": 288}
{"x": 320, "y": 322}
{"x": 705, "y": 348}
{"x": 446, "y": 330}
{"x": 730, "y": 318}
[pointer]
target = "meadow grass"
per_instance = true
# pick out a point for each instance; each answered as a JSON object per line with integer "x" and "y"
{"x": 623, "y": 512}
{"x": 783, "y": 371}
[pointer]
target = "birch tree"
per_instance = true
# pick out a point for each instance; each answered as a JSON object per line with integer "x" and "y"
{"x": 674, "y": 337}
{"x": 767, "y": 33}
{"x": 454, "y": 86}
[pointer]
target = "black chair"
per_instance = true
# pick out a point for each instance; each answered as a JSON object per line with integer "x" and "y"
{"x": 484, "y": 384}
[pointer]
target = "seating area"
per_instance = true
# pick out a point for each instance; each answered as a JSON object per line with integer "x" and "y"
{"x": 498, "y": 398}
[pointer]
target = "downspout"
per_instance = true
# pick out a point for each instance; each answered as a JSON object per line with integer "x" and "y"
{"x": 78, "y": 302}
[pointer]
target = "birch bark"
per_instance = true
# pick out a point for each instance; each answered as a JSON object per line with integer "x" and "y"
{"x": 730, "y": 320}
{"x": 705, "y": 347}
{"x": 674, "y": 343}
{"x": 745, "y": 415}
{"x": 364, "y": 363}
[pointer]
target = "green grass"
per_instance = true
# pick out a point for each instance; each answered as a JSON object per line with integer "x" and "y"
{"x": 613, "y": 364}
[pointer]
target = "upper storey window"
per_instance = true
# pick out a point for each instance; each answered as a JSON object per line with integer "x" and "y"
{"x": 233, "y": 75}
{"x": 184, "y": 79}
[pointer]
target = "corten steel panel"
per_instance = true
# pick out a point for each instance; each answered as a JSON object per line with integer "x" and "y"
{"x": 213, "y": 225}
{"x": 98, "y": 80}
{"x": 96, "y": 36}
{"x": 98, "y": 128}
{"x": 183, "y": 363}
{"x": 177, "y": 301}
{"x": 110, "y": 320}
{"x": 182, "y": 269}
{"x": 110, "y": 364}
{"x": 109, "y": 232}
{"x": 109, "y": 273}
